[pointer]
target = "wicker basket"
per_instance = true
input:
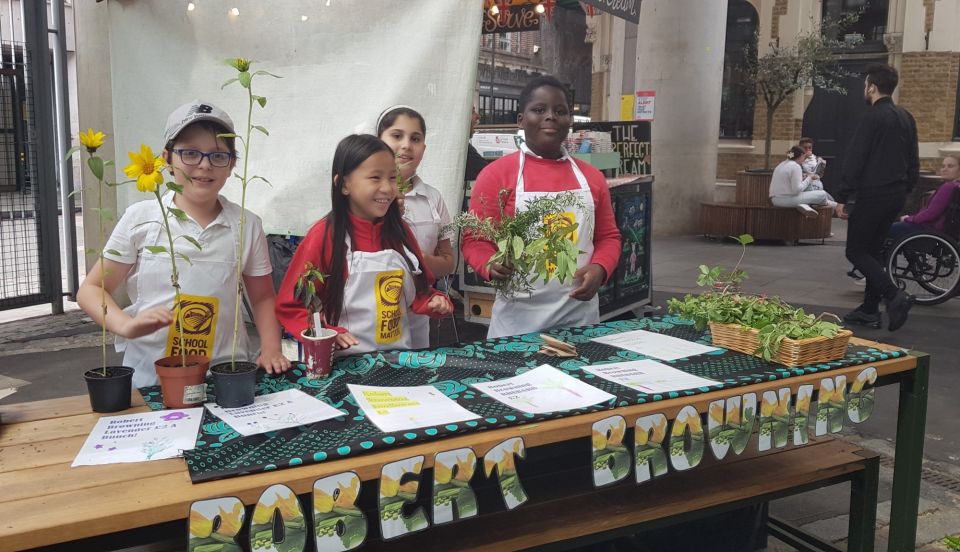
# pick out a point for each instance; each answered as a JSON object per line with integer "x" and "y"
{"x": 791, "y": 353}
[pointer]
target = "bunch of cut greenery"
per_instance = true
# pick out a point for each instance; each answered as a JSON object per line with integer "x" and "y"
{"x": 537, "y": 242}
{"x": 774, "y": 319}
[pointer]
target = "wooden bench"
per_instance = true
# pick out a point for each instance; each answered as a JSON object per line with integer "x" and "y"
{"x": 568, "y": 512}
{"x": 752, "y": 213}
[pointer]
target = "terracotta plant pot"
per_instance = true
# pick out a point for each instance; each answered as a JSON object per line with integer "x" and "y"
{"x": 318, "y": 352}
{"x": 109, "y": 392}
{"x": 234, "y": 383}
{"x": 183, "y": 386}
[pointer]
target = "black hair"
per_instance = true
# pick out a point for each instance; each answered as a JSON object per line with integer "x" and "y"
{"x": 795, "y": 152}
{"x": 884, "y": 77}
{"x": 806, "y": 140}
{"x": 214, "y": 128}
{"x": 540, "y": 82}
{"x": 351, "y": 152}
{"x": 390, "y": 117}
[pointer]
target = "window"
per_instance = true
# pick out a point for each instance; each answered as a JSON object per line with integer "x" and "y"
{"x": 498, "y": 110}
{"x": 871, "y": 25}
{"x": 738, "y": 94}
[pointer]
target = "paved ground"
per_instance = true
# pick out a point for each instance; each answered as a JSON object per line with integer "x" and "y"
{"x": 53, "y": 351}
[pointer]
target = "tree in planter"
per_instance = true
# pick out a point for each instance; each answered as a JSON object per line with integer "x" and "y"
{"x": 306, "y": 292}
{"x": 318, "y": 341}
{"x": 812, "y": 59}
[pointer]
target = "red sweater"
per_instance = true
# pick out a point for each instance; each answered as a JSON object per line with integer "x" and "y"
{"x": 366, "y": 237}
{"x": 541, "y": 175}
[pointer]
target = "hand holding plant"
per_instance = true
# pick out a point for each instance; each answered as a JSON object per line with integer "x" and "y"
{"x": 536, "y": 242}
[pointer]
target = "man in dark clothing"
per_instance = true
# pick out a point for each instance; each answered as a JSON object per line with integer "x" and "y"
{"x": 475, "y": 161}
{"x": 881, "y": 165}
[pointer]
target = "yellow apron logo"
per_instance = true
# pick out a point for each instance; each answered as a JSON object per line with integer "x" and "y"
{"x": 199, "y": 326}
{"x": 556, "y": 222}
{"x": 389, "y": 293}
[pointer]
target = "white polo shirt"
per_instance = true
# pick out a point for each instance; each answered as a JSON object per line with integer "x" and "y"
{"x": 427, "y": 215}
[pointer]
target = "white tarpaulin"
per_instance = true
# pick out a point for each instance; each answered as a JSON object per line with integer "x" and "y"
{"x": 341, "y": 67}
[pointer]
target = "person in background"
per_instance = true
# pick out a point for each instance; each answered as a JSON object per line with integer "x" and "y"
{"x": 475, "y": 161}
{"x": 375, "y": 273}
{"x": 542, "y": 167}
{"x": 931, "y": 217}
{"x": 789, "y": 188}
{"x": 881, "y": 166}
{"x": 811, "y": 165}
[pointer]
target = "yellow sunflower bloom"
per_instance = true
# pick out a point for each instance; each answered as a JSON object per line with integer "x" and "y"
{"x": 289, "y": 507}
{"x": 231, "y": 522}
{"x": 92, "y": 140}
{"x": 465, "y": 468}
{"x": 388, "y": 486}
{"x": 145, "y": 167}
{"x": 660, "y": 429}
{"x": 599, "y": 440}
{"x": 616, "y": 434}
{"x": 200, "y": 526}
{"x": 348, "y": 495}
{"x": 442, "y": 473}
{"x": 322, "y": 502}
{"x": 263, "y": 513}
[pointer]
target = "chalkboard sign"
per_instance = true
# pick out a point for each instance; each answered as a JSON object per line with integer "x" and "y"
{"x": 631, "y": 139}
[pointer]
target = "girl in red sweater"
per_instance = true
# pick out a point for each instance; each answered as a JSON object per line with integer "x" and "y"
{"x": 375, "y": 275}
{"x": 543, "y": 167}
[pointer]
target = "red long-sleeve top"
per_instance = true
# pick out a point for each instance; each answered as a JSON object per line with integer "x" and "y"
{"x": 366, "y": 237}
{"x": 540, "y": 175}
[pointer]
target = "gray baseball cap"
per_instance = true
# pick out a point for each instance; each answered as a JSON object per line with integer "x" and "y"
{"x": 191, "y": 112}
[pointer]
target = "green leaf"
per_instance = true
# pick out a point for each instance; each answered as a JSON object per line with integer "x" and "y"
{"x": 175, "y": 187}
{"x": 745, "y": 239}
{"x": 96, "y": 166}
{"x": 185, "y": 258}
{"x": 261, "y": 129}
{"x": 71, "y": 152}
{"x": 156, "y": 249}
{"x": 193, "y": 241}
{"x": 177, "y": 213}
{"x": 244, "y": 78}
{"x": 228, "y": 83}
{"x": 517, "y": 247}
{"x": 112, "y": 252}
{"x": 262, "y": 72}
{"x": 91, "y": 251}
{"x": 108, "y": 163}
{"x": 260, "y": 100}
{"x": 252, "y": 178}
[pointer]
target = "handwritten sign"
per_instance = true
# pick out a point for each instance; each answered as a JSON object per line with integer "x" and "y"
{"x": 624, "y": 9}
{"x": 515, "y": 19}
{"x": 631, "y": 139}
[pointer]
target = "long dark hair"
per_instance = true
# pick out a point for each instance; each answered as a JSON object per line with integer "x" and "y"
{"x": 351, "y": 152}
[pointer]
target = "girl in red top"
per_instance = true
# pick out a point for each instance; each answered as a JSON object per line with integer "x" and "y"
{"x": 375, "y": 271}
{"x": 543, "y": 167}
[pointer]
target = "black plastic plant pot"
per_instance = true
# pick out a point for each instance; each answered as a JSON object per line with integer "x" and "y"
{"x": 110, "y": 391}
{"x": 234, "y": 383}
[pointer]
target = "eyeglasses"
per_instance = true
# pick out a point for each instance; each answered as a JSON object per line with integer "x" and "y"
{"x": 193, "y": 157}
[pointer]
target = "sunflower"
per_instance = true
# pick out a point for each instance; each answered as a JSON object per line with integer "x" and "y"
{"x": 92, "y": 140}
{"x": 145, "y": 167}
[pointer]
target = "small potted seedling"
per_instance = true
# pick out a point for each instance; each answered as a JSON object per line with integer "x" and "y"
{"x": 726, "y": 281}
{"x": 235, "y": 382}
{"x": 318, "y": 341}
{"x": 108, "y": 386}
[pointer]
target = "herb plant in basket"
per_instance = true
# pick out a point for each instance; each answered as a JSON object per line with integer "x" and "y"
{"x": 536, "y": 243}
{"x": 318, "y": 341}
{"x": 763, "y": 326}
{"x": 108, "y": 386}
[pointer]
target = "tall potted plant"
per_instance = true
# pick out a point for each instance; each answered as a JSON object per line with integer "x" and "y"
{"x": 318, "y": 341}
{"x": 108, "y": 386}
{"x": 182, "y": 377}
{"x": 235, "y": 381}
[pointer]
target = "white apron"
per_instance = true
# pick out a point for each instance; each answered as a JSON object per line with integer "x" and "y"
{"x": 208, "y": 286}
{"x": 376, "y": 299}
{"x": 427, "y": 234}
{"x": 550, "y": 305}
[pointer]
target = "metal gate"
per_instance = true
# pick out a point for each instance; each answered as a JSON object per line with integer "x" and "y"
{"x": 29, "y": 229}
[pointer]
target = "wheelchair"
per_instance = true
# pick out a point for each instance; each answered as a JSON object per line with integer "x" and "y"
{"x": 926, "y": 264}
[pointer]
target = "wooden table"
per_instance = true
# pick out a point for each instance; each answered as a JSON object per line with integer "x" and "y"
{"x": 43, "y": 501}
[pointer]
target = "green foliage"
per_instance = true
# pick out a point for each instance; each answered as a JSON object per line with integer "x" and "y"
{"x": 709, "y": 276}
{"x": 952, "y": 542}
{"x": 774, "y": 319}
{"x": 537, "y": 242}
{"x": 305, "y": 291}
